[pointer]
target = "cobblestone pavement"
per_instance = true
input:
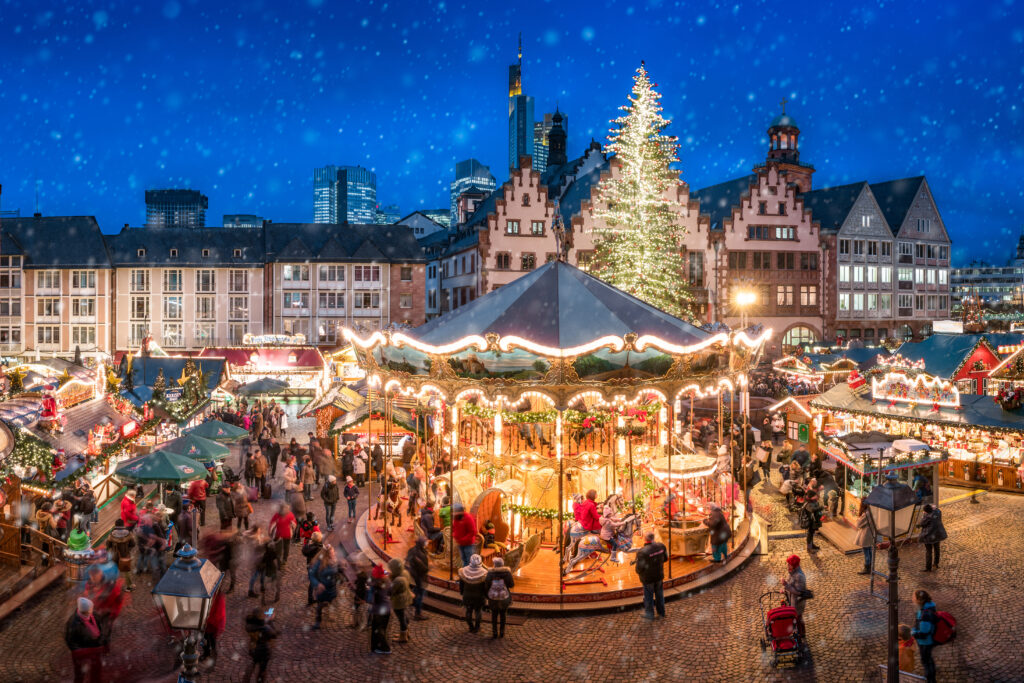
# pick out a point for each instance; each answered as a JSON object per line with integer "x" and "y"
{"x": 712, "y": 636}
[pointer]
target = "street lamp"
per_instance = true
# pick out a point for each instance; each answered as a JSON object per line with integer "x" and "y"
{"x": 745, "y": 298}
{"x": 185, "y": 594}
{"x": 893, "y": 506}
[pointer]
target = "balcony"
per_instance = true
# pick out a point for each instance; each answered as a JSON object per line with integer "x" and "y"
{"x": 294, "y": 284}
{"x": 330, "y": 284}
{"x": 331, "y": 312}
{"x": 366, "y": 284}
{"x": 906, "y": 284}
{"x": 295, "y": 312}
{"x": 83, "y": 319}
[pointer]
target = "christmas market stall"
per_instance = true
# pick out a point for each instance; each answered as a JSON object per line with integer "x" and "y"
{"x": 965, "y": 359}
{"x": 300, "y": 368}
{"x": 817, "y": 370}
{"x": 553, "y": 386}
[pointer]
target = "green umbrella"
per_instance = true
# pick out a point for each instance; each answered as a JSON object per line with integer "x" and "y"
{"x": 216, "y": 430}
{"x": 197, "y": 448}
{"x": 161, "y": 467}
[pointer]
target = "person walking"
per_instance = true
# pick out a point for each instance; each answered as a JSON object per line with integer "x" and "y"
{"x": 865, "y": 538}
{"x": 380, "y": 611}
{"x": 473, "y": 590}
{"x": 260, "y": 466}
{"x": 401, "y": 597}
{"x": 129, "y": 511}
{"x": 120, "y": 544}
{"x": 197, "y": 492}
{"x": 933, "y": 532}
{"x": 87, "y": 636}
{"x": 417, "y": 564}
{"x": 330, "y": 495}
{"x": 812, "y": 513}
{"x": 291, "y": 476}
{"x": 464, "y": 533}
{"x": 720, "y": 533}
{"x": 499, "y": 584}
{"x": 924, "y": 631}
{"x": 323, "y": 459}
{"x": 282, "y": 525}
{"x": 308, "y": 478}
{"x": 261, "y": 632}
{"x": 429, "y": 525}
{"x": 225, "y": 507}
{"x": 323, "y": 577}
{"x": 795, "y": 587}
{"x": 351, "y": 494}
{"x": 273, "y": 454}
{"x": 650, "y": 567}
{"x": 214, "y": 629}
{"x": 242, "y": 506}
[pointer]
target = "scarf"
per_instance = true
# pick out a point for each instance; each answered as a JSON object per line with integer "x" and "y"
{"x": 90, "y": 624}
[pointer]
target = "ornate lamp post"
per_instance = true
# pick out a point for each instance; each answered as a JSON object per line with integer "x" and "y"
{"x": 185, "y": 594}
{"x": 892, "y": 507}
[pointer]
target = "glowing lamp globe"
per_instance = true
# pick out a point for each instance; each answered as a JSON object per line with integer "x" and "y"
{"x": 892, "y": 507}
{"x": 186, "y": 590}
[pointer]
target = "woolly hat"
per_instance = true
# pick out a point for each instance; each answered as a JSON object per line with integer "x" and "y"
{"x": 793, "y": 561}
{"x": 475, "y": 570}
{"x": 84, "y": 605}
{"x": 348, "y": 480}
{"x": 331, "y": 478}
{"x": 379, "y": 572}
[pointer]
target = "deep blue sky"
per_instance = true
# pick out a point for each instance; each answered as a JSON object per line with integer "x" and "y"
{"x": 99, "y": 101}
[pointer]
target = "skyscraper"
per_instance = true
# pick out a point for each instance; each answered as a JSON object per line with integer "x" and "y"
{"x": 386, "y": 215}
{"x": 541, "y": 143}
{"x": 520, "y": 113}
{"x": 176, "y": 208}
{"x": 344, "y": 194}
{"x": 468, "y": 173}
{"x": 242, "y": 220}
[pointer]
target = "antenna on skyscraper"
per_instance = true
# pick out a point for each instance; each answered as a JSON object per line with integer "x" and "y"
{"x": 520, "y": 48}
{"x": 38, "y": 184}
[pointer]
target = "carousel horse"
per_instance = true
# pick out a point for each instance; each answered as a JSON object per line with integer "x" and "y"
{"x": 620, "y": 530}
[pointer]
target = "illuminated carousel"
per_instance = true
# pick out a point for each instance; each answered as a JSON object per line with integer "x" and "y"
{"x": 549, "y": 388}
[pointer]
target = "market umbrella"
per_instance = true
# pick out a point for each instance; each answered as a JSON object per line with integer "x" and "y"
{"x": 215, "y": 430}
{"x": 262, "y": 386}
{"x": 160, "y": 467}
{"x": 197, "y": 448}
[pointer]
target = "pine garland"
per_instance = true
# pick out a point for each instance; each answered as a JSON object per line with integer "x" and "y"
{"x": 637, "y": 242}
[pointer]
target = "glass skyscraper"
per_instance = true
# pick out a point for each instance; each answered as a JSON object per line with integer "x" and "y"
{"x": 344, "y": 194}
{"x": 176, "y": 209}
{"x": 520, "y": 129}
{"x": 325, "y": 194}
{"x": 468, "y": 173}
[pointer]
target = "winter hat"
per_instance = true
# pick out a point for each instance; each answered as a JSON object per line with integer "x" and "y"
{"x": 793, "y": 561}
{"x": 348, "y": 480}
{"x": 395, "y": 566}
{"x": 498, "y": 562}
{"x": 84, "y": 605}
{"x": 475, "y": 570}
{"x": 475, "y": 560}
{"x": 379, "y": 572}
{"x": 331, "y": 478}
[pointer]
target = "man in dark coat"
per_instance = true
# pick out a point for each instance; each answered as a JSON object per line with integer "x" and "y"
{"x": 933, "y": 532}
{"x": 650, "y": 567}
{"x": 418, "y": 564}
{"x": 87, "y": 636}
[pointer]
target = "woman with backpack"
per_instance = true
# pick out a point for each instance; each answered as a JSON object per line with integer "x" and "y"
{"x": 499, "y": 584}
{"x": 924, "y": 631}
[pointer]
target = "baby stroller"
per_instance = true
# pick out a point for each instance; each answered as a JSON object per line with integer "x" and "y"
{"x": 780, "y": 629}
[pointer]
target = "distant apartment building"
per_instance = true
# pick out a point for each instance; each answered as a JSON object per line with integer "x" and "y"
{"x": 175, "y": 208}
{"x": 990, "y": 283}
{"x": 469, "y": 173}
{"x": 242, "y": 220}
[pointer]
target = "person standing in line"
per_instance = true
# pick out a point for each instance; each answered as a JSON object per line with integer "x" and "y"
{"x": 282, "y": 526}
{"x": 273, "y": 455}
{"x": 417, "y": 564}
{"x": 359, "y": 467}
{"x": 473, "y": 590}
{"x": 650, "y": 567}
{"x": 464, "y": 533}
{"x": 242, "y": 506}
{"x": 865, "y": 538}
{"x": 380, "y": 611}
{"x": 812, "y": 517}
{"x": 933, "y": 532}
{"x": 225, "y": 507}
{"x": 924, "y": 631}
{"x": 795, "y": 587}
{"x": 351, "y": 494}
{"x": 498, "y": 585}
{"x": 330, "y": 495}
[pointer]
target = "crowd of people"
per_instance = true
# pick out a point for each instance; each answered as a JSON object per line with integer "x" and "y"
{"x": 772, "y": 384}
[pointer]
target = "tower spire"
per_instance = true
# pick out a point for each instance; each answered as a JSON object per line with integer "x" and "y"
{"x": 520, "y": 48}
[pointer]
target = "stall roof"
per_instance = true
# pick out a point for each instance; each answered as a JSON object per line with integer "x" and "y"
{"x": 285, "y": 357}
{"x": 147, "y": 367}
{"x": 944, "y": 354}
{"x": 338, "y": 395}
{"x": 401, "y": 417}
{"x": 976, "y": 411}
{"x": 558, "y": 306}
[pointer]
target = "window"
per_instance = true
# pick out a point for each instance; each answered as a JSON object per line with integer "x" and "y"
{"x": 332, "y": 273}
{"x": 503, "y": 260}
{"x": 919, "y": 275}
{"x": 844, "y": 301}
{"x": 140, "y": 253}
{"x": 174, "y": 253}
{"x": 237, "y": 332}
{"x": 139, "y": 331}
{"x": 405, "y": 301}
{"x": 858, "y": 301}
{"x": 332, "y": 301}
{"x": 85, "y": 336}
{"x": 172, "y": 308}
{"x": 511, "y": 227}
{"x": 844, "y": 273}
{"x": 10, "y": 279}
{"x": 872, "y": 248}
{"x": 782, "y": 208}
{"x": 844, "y": 246}
{"x": 858, "y": 273}
{"x": 696, "y": 263}
{"x": 405, "y": 273}
{"x": 761, "y": 260}
{"x": 584, "y": 258}
{"x": 327, "y": 331}
{"x": 872, "y": 274}
{"x": 943, "y": 277}
{"x": 140, "y": 280}
{"x": 808, "y": 295}
{"x": 737, "y": 260}
{"x": 172, "y": 280}
{"x": 10, "y": 307}
{"x": 795, "y": 337}
{"x": 885, "y": 274}
{"x": 808, "y": 261}
{"x": 943, "y": 302}
{"x": 238, "y": 307}
{"x": 296, "y": 300}
{"x": 206, "y": 253}
{"x": 906, "y": 300}
{"x": 205, "y": 281}
{"x": 919, "y": 250}
{"x": 785, "y": 233}
{"x": 858, "y": 247}
{"x": 905, "y": 274}
{"x": 205, "y": 308}
{"x": 140, "y": 308}
{"x": 932, "y": 251}
{"x": 933, "y": 302}
{"x": 536, "y": 227}
{"x": 295, "y": 273}
{"x": 786, "y": 260}
{"x": 784, "y": 295}
{"x": 944, "y": 252}
{"x": 886, "y": 248}
{"x": 173, "y": 335}
{"x": 366, "y": 273}
{"x": 906, "y": 249}
{"x": 48, "y": 308}
{"x": 48, "y": 334}
{"x": 236, "y": 253}
{"x": 431, "y": 272}
{"x": 872, "y": 302}
{"x": 924, "y": 225}
{"x": 204, "y": 333}
{"x": 865, "y": 221}
{"x": 884, "y": 303}
{"x": 83, "y": 279}
{"x": 930, "y": 276}
{"x": 85, "y": 308}
{"x": 919, "y": 302}
{"x": 528, "y": 261}
{"x": 367, "y": 300}
{"x": 238, "y": 281}
{"x": 762, "y": 208}
{"x": 48, "y": 279}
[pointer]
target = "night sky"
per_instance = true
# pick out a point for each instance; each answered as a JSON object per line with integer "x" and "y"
{"x": 99, "y": 101}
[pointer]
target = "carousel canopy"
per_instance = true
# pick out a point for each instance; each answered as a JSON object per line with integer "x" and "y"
{"x": 197, "y": 448}
{"x": 557, "y": 306}
{"x": 218, "y": 431}
{"x": 160, "y": 467}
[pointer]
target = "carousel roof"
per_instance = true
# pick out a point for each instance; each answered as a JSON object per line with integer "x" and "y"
{"x": 557, "y": 306}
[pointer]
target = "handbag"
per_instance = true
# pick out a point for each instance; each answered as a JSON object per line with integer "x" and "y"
{"x": 807, "y": 594}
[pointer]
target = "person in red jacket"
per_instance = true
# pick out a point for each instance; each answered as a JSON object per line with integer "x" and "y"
{"x": 464, "y": 533}
{"x": 197, "y": 494}
{"x": 129, "y": 513}
{"x": 589, "y": 518}
{"x": 215, "y": 624}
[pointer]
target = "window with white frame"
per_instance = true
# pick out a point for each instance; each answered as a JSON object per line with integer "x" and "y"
{"x": 919, "y": 275}
{"x": 172, "y": 308}
{"x": 366, "y": 273}
{"x": 238, "y": 281}
{"x": 83, "y": 335}
{"x": 865, "y": 221}
{"x": 205, "y": 307}
{"x": 536, "y": 227}
{"x": 405, "y": 272}
{"x": 84, "y": 308}
{"x": 48, "y": 307}
{"x": 943, "y": 277}
{"x": 924, "y": 225}
{"x": 844, "y": 247}
{"x": 172, "y": 280}
{"x": 10, "y": 307}
{"x": 886, "y": 248}
{"x": 237, "y": 332}
{"x": 10, "y": 279}
{"x": 885, "y": 274}
{"x": 884, "y": 303}
{"x": 140, "y": 281}
{"x": 238, "y": 308}
{"x": 809, "y": 295}
{"x": 906, "y": 249}
{"x": 332, "y": 301}
{"x": 930, "y": 276}
{"x": 906, "y": 300}
{"x": 83, "y": 279}
{"x": 332, "y": 273}
{"x": 206, "y": 281}
{"x": 858, "y": 273}
{"x": 858, "y": 302}
{"x": 48, "y": 279}
{"x": 139, "y": 331}
{"x": 405, "y": 301}
{"x": 367, "y": 300}
{"x": 140, "y": 308}
{"x": 872, "y": 302}
{"x": 872, "y": 274}
{"x": 173, "y": 335}
{"x": 48, "y": 334}
{"x": 905, "y": 274}
{"x": 296, "y": 300}
{"x": 844, "y": 301}
{"x": 10, "y": 336}
{"x": 327, "y": 331}
{"x": 844, "y": 273}
{"x": 204, "y": 333}
{"x": 511, "y": 227}
{"x": 295, "y": 273}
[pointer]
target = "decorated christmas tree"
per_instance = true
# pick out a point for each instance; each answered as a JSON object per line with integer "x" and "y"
{"x": 159, "y": 385}
{"x": 637, "y": 246}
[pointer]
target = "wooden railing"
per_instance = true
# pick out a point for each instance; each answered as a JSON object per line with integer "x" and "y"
{"x": 10, "y": 545}
{"x": 44, "y": 550}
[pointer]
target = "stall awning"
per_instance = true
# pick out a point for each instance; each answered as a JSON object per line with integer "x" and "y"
{"x": 353, "y": 418}
{"x": 852, "y": 449}
{"x": 338, "y": 395}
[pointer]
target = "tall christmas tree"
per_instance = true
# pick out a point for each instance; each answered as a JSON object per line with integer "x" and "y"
{"x": 637, "y": 248}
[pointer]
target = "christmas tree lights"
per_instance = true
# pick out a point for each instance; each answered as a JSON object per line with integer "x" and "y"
{"x": 637, "y": 242}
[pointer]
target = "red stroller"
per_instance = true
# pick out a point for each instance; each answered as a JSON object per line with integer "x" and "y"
{"x": 780, "y": 630}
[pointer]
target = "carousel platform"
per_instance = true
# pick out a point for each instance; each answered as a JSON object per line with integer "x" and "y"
{"x": 538, "y": 590}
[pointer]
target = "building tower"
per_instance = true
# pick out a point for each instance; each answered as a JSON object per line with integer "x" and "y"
{"x": 515, "y": 77}
{"x": 556, "y": 141}
{"x": 176, "y": 209}
{"x": 520, "y": 114}
{"x": 325, "y": 194}
{"x": 784, "y": 150}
